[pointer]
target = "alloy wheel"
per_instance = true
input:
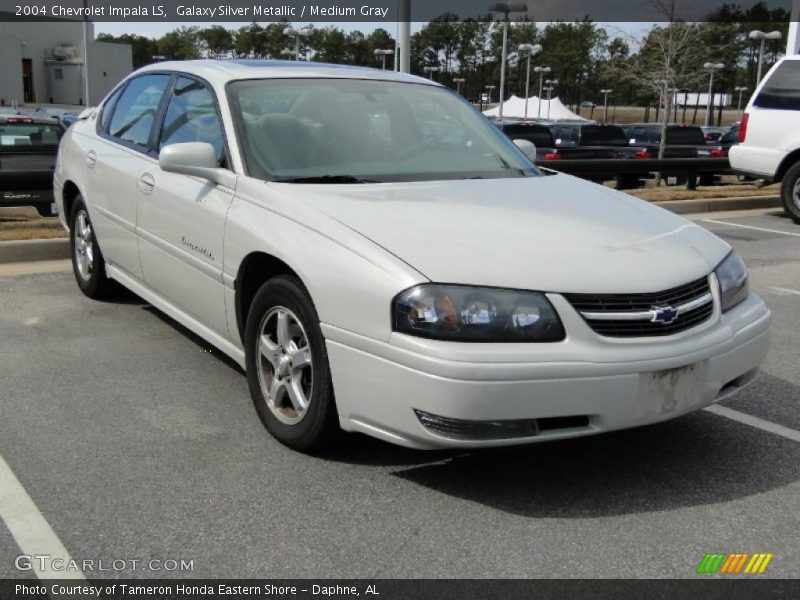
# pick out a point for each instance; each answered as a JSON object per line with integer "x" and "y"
{"x": 84, "y": 248}
{"x": 284, "y": 364}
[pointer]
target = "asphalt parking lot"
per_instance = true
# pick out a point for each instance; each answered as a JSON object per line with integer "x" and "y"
{"x": 137, "y": 441}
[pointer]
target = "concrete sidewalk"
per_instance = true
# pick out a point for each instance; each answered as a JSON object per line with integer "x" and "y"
{"x": 708, "y": 205}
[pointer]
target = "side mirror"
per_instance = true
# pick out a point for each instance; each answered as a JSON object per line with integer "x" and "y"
{"x": 528, "y": 148}
{"x": 198, "y": 159}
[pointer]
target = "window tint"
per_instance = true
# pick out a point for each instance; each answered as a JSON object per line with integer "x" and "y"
{"x": 29, "y": 134}
{"x": 782, "y": 89}
{"x": 603, "y": 135}
{"x": 136, "y": 110}
{"x": 685, "y": 136}
{"x": 108, "y": 109}
{"x": 192, "y": 117}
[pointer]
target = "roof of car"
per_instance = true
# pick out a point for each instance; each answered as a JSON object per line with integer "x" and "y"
{"x": 220, "y": 72}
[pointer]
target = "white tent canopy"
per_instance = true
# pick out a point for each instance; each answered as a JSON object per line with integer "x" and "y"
{"x": 515, "y": 107}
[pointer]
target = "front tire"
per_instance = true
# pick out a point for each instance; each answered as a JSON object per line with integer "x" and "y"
{"x": 790, "y": 192}
{"x": 88, "y": 264}
{"x": 287, "y": 366}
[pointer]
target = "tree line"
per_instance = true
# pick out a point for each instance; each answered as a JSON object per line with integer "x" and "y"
{"x": 583, "y": 56}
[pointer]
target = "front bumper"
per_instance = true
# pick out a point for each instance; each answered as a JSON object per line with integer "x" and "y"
{"x": 381, "y": 387}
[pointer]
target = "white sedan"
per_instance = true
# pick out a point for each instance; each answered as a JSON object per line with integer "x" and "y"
{"x": 380, "y": 259}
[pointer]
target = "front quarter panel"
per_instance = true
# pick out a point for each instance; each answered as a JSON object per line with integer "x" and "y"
{"x": 351, "y": 280}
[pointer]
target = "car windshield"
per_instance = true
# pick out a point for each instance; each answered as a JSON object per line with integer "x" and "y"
{"x": 29, "y": 134}
{"x": 359, "y": 131}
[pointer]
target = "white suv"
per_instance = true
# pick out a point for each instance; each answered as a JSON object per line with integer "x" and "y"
{"x": 379, "y": 257}
{"x": 770, "y": 133}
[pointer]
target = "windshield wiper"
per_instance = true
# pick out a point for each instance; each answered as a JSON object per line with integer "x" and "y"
{"x": 328, "y": 179}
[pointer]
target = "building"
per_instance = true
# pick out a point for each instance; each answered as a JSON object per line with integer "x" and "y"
{"x": 43, "y": 62}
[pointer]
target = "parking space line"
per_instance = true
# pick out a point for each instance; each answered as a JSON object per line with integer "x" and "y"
{"x": 751, "y": 227}
{"x": 741, "y": 417}
{"x": 784, "y": 290}
{"x": 30, "y": 529}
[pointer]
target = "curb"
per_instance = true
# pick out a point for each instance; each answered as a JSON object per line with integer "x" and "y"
{"x": 33, "y": 250}
{"x": 704, "y": 205}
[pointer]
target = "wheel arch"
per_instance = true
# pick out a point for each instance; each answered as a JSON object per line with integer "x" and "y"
{"x": 792, "y": 158}
{"x": 69, "y": 193}
{"x": 254, "y": 271}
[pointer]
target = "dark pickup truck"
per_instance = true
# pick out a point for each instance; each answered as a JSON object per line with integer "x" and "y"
{"x": 547, "y": 148}
{"x": 609, "y": 139}
{"x": 28, "y": 147}
{"x": 682, "y": 141}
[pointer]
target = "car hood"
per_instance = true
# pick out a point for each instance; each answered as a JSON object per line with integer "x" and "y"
{"x": 552, "y": 233}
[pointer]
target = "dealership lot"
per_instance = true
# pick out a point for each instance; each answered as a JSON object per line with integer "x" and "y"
{"x": 136, "y": 441}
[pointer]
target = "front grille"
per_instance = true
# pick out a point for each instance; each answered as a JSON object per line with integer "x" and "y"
{"x": 626, "y": 315}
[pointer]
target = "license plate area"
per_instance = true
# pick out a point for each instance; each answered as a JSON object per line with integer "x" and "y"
{"x": 672, "y": 390}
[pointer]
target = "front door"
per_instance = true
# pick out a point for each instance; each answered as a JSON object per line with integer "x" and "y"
{"x": 181, "y": 219}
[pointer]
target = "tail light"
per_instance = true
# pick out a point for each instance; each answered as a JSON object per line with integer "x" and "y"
{"x": 641, "y": 154}
{"x": 552, "y": 156}
{"x": 718, "y": 153}
{"x": 743, "y": 127}
{"x": 19, "y": 120}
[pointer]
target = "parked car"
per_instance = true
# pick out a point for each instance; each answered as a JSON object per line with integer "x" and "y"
{"x": 429, "y": 292}
{"x": 28, "y": 147}
{"x": 769, "y": 133}
{"x": 712, "y": 134}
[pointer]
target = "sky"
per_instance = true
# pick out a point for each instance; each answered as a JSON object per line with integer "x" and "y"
{"x": 158, "y": 29}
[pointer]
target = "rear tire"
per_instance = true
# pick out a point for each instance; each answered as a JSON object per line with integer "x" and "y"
{"x": 790, "y": 192}
{"x": 287, "y": 366}
{"x": 88, "y": 264}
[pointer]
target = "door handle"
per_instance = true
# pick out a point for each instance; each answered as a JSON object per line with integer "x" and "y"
{"x": 147, "y": 183}
{"x": 91, "y": 159}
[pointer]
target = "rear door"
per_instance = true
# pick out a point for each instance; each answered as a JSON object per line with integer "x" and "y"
{"x": 114, "y": 159}
{"x": 181, "y": 219}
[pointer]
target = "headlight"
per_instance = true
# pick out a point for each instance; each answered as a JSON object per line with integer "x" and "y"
{"x": 474, "y": 314}
{"x": 732, "y": 276}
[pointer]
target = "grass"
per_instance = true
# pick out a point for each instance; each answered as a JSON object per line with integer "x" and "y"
{"x": 26, "y": 224}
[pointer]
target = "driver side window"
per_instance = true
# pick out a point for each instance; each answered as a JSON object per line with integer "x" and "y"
{"x": 136, "y": 109}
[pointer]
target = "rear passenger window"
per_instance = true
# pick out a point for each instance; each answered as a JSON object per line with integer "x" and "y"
{"x": 136, "y": 109}
{"x": 782, "y": 89}
{"x": 192, "y": 117}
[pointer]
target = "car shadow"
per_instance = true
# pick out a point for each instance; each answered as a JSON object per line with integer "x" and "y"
{"x": 193, "y": 337}
{"x": 695, "y": 460}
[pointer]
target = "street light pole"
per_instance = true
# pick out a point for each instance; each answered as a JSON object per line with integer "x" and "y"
{"x": 712, "y": 67}
{"x": 431, "y": 71}
{"x": 530, "y": 50}
{"x": 541, "y": 71}
{"x": 740, "y": 89}
{"x": 605, "y": 104}
{"x": 551, "y": 83}
{"x": 504, "y": 8}
{"x": 383, "y": 54}
{"x": 297, "y": 34}
{"x": 458, "y": 81}
{"x": 490, "y": 88}
{"x": 763, "y": 37}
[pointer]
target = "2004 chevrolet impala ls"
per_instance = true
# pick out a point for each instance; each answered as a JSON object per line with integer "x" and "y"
{"x": 380, "y": 259}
